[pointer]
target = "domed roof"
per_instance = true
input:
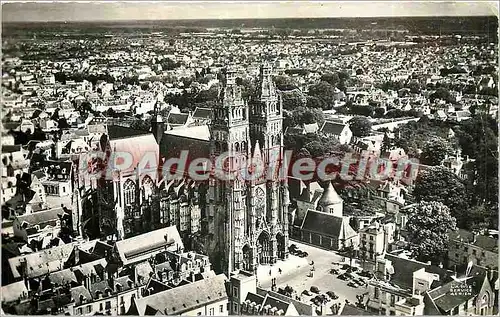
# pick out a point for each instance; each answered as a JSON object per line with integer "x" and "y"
{"x": 329, "y": 197}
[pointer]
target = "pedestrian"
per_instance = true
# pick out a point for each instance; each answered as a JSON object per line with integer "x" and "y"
{"x": 279, "y": 270}
{"x": 270, "y": 272}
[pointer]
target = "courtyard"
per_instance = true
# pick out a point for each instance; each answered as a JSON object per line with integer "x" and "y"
{"x": 295, "y": 272}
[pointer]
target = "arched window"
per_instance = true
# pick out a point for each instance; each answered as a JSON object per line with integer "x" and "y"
{"x": 129, "y": 192}
{"x": 148, "y": 186}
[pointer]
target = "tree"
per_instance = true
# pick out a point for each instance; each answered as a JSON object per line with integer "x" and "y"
{"x": 285, "y": 83}
{"x": 62, "y": 123}
{"x": 303, "y": 115}
{"x": 441, "y": 93}
{"x": 379, "y": 112}
{"x": 440, "y": 184}
{"x": 480, "y": 217}
{"x": 292, "y": 99}
{"x": 386, "y": 144}
{"x": 315, "y": 102}
{"x": 323, "y": 91}
{"x": 331, "y": 78}
{"x": 360, "y": 126}
{"x": 427, "y": 228}
{"x": 111, "y": 113}
{"x": 435, "y": 151}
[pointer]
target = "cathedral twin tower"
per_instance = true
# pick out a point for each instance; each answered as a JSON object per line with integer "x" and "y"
{"x": 249, "y": 217}
{"x": 240, "y": 223}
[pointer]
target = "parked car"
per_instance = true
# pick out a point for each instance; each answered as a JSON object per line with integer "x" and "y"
{"x": 352, "y": 284}
{"x": 358, "y": 282}
{"x": 302, "y": 254}
{"x": 323, "y": 298}
{"x": 332, "y": 295}
{"x": 293, "y": 249}
{"x": 314, "y": 289}
{"x": 345, "y": 267}
{"x": 366, "y": 274}
{"x": 342, "y": 277}
{"x": 334, "y": 271}
{"x": 306, "y": 292}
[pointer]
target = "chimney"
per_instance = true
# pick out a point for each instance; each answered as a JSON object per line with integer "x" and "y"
{"x": 77, "y": 255}
{"x": 86, "y": 282}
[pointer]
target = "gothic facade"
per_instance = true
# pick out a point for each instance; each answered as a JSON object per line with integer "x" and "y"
{"x": 250, "y": 216}
{"x": 239, "y": 223}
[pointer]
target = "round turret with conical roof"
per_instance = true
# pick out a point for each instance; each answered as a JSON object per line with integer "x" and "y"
{"x": 330, "y": 202}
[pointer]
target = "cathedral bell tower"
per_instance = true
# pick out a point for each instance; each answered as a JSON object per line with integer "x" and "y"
{"x": 271, "y": 193}
{"x": 227, "y": 197}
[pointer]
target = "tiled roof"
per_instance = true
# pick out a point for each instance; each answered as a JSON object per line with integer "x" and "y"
{"x": 184, "y": 298}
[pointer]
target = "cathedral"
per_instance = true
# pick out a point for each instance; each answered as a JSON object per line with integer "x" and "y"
{"x": 240, "y": 223}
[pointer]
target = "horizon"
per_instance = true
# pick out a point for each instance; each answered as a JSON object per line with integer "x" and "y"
{"x": 26, "y": 12}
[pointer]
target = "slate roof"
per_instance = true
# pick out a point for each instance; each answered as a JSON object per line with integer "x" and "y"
{"x": 330, "y": 127}
{"x": 140, "y": 247}
{"x": 14, "y": 291}
{"x": 404, "y": 268}
{"x": 446, "y": 299}
{"x": 202, "y": 113}
{"x": 275, "y": 302}
{"x": 177, "y": 118}
{"x": 41, "y": 217}
{"x": 42, "y": 262}
{"x": 322, "y": 223}
{"x": 184, "y": 298}
{"x": 11, "y": 148}
{"x": 484, "y": 242}
{"x": 80, "y": 290}
{"x": 63, "y": 277}
{"x": 487, "y": 243}
{"x": 351, "y": 310}
{"x": 255, "y": 298}
{"x": 199, "y": 132}
{"x": 302, "y": 308}
{"x": 119, "y": 132}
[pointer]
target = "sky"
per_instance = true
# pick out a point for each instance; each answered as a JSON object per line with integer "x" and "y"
{"x": 121, "y": 10}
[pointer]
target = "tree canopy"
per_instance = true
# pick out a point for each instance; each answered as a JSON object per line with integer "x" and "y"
{"x": 435, "y": 151}
{"x": 427, "y": 228}
{"x": 360, "y": 126}
{"x": 439, "y": 184}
